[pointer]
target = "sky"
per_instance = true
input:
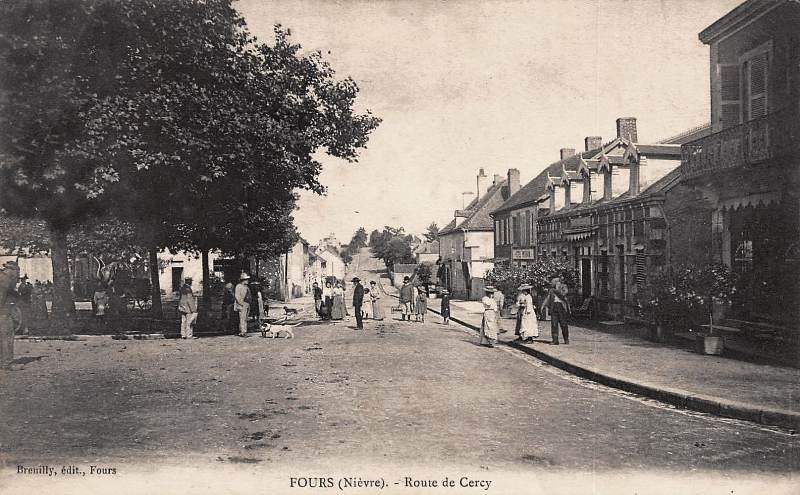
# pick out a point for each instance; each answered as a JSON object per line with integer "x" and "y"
{"x": 463, "y": 85}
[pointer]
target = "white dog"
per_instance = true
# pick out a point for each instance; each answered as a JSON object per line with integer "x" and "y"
{"x": 282, "y": 324}
{"x": 273, "y": 330}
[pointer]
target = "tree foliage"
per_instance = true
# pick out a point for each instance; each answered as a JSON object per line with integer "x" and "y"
{"x": 432, "y": 232}
{"x": 169, "y": 115}
{"x": 508, "y": 277}
{"x": 359, "y": 240}
{"x": 392, "y": 246}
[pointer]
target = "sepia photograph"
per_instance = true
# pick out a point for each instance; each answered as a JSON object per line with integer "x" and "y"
{"x": 399, "y": 247}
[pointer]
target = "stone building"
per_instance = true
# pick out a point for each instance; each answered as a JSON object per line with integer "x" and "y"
{"x": 744, "y": 177}
{"x": 466, "y": 244}
{"x": 602, "y": 210}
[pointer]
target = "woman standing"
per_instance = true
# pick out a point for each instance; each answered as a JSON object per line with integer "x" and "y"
{"x": 445, "y": 308}
{"x": 375, "y": 297}
{"x": 327, "y": 296}
{"x": 529, "y": 325}
{"x": 337, "y": 311}
{"x": 100, "y": 299}
{"x": 489, "y": 325}
{"x": 421, "y": 304}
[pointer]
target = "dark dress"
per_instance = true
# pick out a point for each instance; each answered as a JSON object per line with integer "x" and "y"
{"x": 445, "y": 309}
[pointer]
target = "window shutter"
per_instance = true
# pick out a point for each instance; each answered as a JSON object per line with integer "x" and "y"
{"x": 758, "y": 85}
{"x": 730, "y": 92}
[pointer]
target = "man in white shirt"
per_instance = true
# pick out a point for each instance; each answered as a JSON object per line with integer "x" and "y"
{"x": 242, "y": 298}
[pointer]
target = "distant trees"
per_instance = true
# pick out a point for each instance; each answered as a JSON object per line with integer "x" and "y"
{"x": 169, "y": 116}
{"x": 392, "y": 246}
{"x": 432, "y": 233}
{"x": 359, "y": 240}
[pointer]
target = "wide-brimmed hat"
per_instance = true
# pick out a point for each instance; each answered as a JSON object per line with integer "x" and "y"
{"x": 525, "y": 287}
{"x": 406, "y": 279}
{"x": 444, "y": 291}
{"x": 355, "y": 279}
{"x": 244, "y": 276}
{"x": 489, "y": 288}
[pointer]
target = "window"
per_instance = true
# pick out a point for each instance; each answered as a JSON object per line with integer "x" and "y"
{"x": 729, "y": 94}
{"x": 754, "y": 75}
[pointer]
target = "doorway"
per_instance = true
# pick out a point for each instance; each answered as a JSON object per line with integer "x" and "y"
{"x": 177, "y": 278}
{"x": 586, "y": 277}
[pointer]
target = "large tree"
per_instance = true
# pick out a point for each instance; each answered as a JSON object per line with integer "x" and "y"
{"x": 170, "y": 115}
{"x": 46, "y": 84}
{"x": 220, "y": 131}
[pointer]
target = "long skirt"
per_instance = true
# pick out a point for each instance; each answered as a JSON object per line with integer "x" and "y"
{"x": 421, "y": 306}
{"x": 529, "y": 327}
{"x": 377, "y": 312}
{"x": 337, "y": 311}
{"x": 489, "y": 327}
{"x": 328, "y": 307}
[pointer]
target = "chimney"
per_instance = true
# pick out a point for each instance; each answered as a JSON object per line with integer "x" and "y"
{"x": 593, "y": 142}
{"x": 497, "y": 179}
{"x": 607, "y": 194}
{"x": 568, "y": 195}
{"x": 626, "y": 129}
{"x": 513, "y": 181}
{"x": 567, "y": 152}
{"x": 481, "y": 183}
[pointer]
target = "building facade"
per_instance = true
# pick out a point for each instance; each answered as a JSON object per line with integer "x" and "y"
{"x": 747, "y": 172}
{"x": 466, "y": 244}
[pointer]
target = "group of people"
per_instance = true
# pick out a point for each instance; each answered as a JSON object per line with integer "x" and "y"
{"x": 413, "y": 301}
{"x": 527, "y": 327}
{"x": 329, "y": 302}
{"x": 239, "y": 302}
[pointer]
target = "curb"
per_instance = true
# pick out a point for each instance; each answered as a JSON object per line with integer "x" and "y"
{"x": 680, "y": 398}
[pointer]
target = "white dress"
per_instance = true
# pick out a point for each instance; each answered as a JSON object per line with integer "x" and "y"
{"x": 530, "y": 326}
{"x": 489, "y": 324}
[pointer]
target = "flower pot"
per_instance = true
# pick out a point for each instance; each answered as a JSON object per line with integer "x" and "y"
{"x": 712, "y": 346}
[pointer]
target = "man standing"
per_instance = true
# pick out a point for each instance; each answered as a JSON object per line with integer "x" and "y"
{"x": 242, "y": 298}
{"x": 407, "y": 298}
{"x": 317, "y": 299}
{"x": 187, "y": 307}
{"x": 556, "y": 302}
{"x": 358, "y": 300}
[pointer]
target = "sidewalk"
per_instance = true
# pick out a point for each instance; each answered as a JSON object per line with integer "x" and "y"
{"x": 622, "y": 358}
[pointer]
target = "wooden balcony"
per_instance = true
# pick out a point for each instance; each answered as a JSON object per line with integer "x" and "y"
{"x": 771, "y": 137}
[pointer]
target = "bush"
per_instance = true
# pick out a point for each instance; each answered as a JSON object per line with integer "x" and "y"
{"x": 508, "y": 277}
{"x": 685, "y": 294}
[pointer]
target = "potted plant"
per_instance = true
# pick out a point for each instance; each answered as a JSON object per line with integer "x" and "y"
{"x": 713, "y": 288}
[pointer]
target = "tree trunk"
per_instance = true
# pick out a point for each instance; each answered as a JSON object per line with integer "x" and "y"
{"x": 62, "y": 292}
{"x": 206, "y": 283}
{"x": 155, "y": 284}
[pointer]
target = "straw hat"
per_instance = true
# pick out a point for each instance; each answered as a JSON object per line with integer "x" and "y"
{"x": 244, "y": 276}
{"x": 489, "y": 288}
{"x": 525, "y": 287}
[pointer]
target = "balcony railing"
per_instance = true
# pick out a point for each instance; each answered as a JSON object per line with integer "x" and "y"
{"x": 774, "y": 136}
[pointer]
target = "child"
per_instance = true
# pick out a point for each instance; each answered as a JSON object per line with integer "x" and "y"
{"x": 421, "y": 305}
{"x": 365, "y": 308}
{"x": 445, "y": 309}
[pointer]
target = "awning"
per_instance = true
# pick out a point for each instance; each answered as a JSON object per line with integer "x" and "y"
{"x": 579, "y": 233}
{"x": 751, "y": 200}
